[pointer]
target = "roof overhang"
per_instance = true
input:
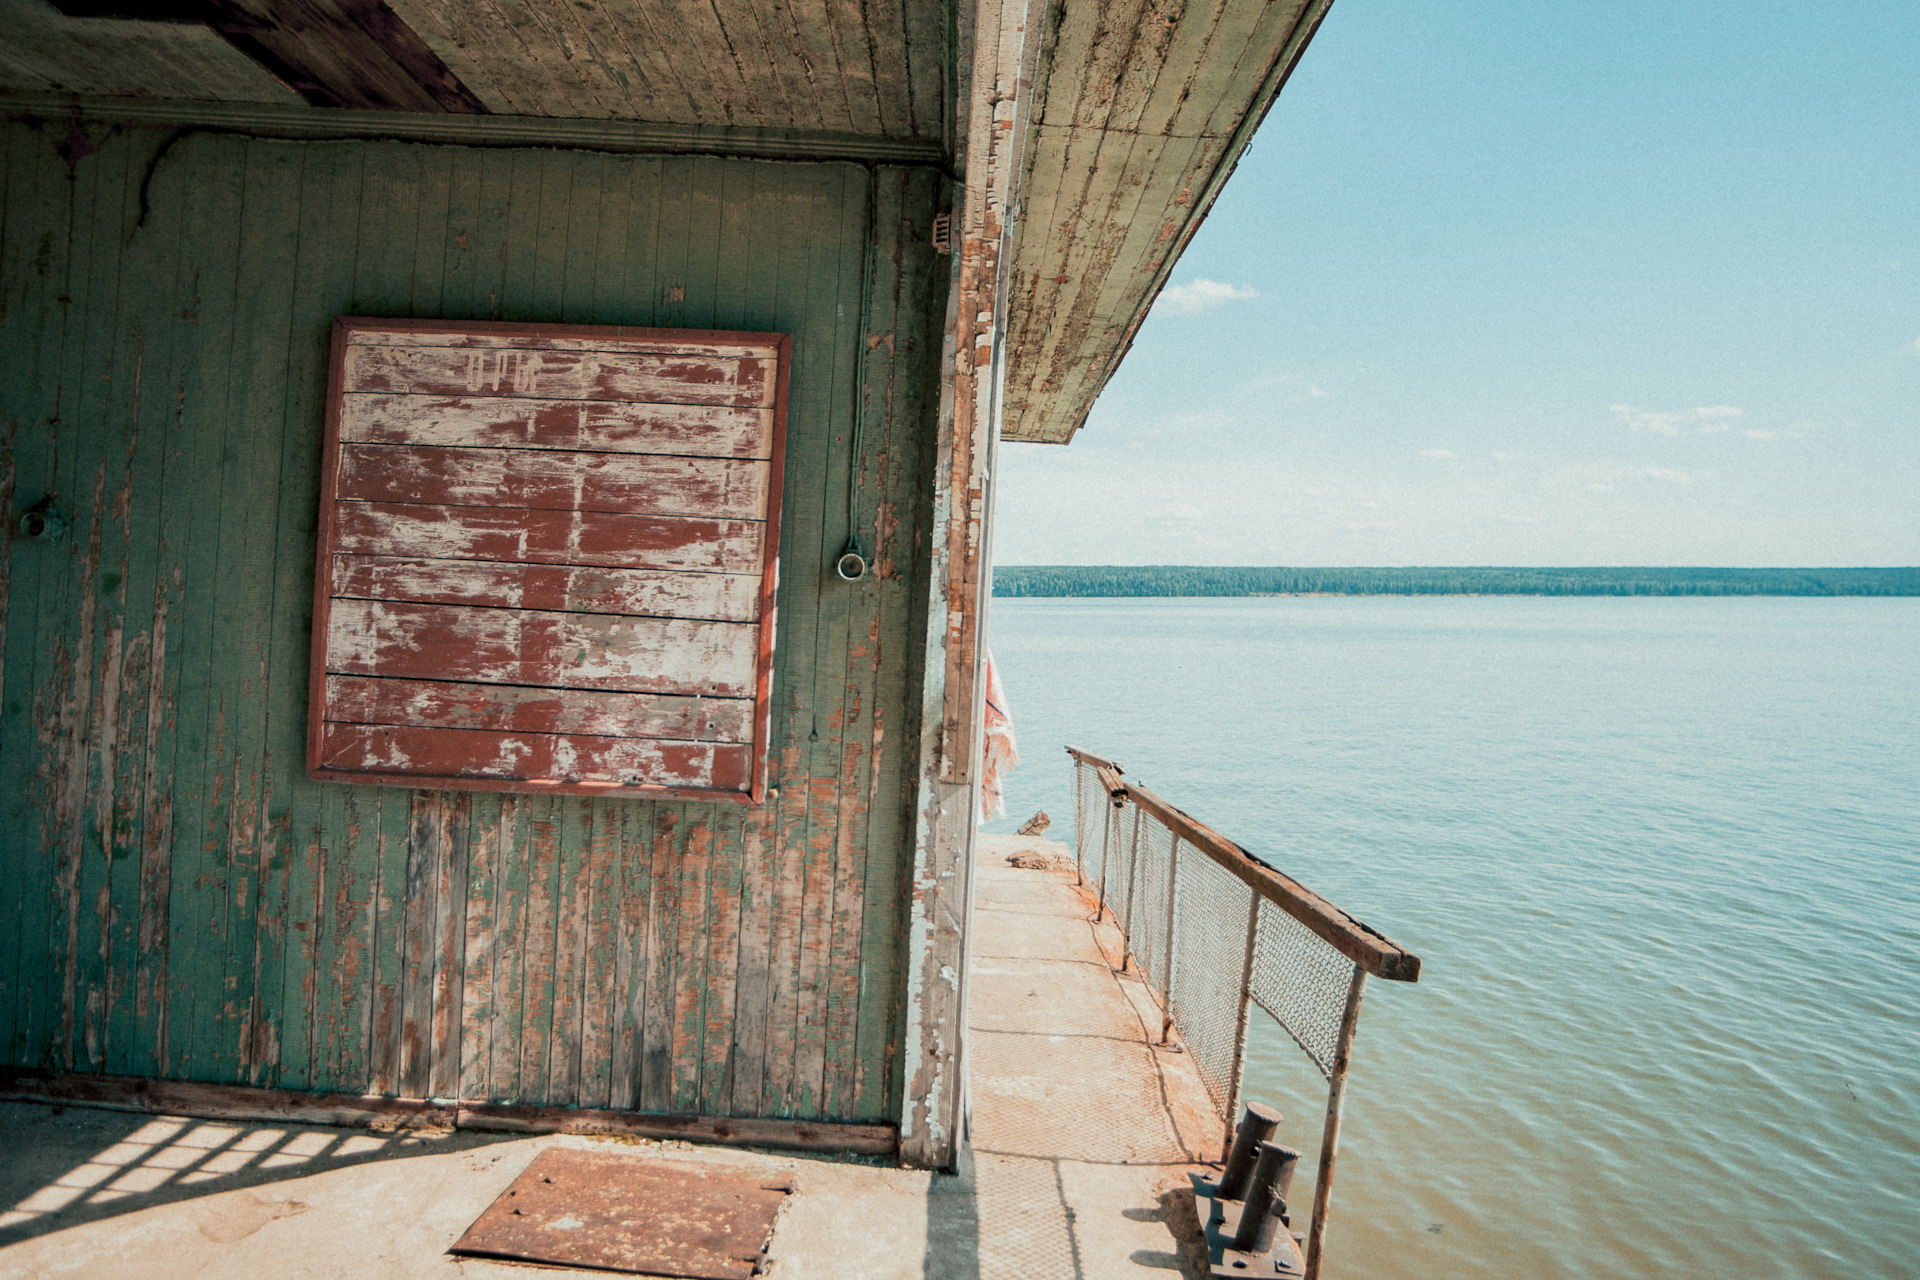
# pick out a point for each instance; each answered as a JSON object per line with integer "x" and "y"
{"x": 1138, "y": 115}
{"x": 1131, "y": 118}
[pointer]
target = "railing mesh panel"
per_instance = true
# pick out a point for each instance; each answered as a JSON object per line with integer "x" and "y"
{"x": 1210, "y": 932}
{"x": 1146, "y": 913}
{"x": 1148, "y": 877}
{"x": 1092, "y": 815}
{"x": 1302, "y": 981}
{"x": 1121, "y": 858}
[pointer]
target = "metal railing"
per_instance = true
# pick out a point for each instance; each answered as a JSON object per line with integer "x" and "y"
{"x": 1218, "y": 933}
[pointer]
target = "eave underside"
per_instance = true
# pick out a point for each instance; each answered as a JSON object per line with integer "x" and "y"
{"x": 836, "y": 67}
{"x": 1140, "y": 113}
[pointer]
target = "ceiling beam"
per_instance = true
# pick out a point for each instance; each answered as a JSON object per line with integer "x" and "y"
{"x": 333, "y": 53}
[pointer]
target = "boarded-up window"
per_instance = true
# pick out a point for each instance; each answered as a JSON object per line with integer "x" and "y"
{"x": 547, "y": 558}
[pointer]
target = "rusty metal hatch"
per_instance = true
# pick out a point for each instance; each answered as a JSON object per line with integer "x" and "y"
{"x": 608, "y": 1212}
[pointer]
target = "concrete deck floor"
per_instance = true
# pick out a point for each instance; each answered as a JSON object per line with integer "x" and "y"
{"x": 1083, "y": 1131}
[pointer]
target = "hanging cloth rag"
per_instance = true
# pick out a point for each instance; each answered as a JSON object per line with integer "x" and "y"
{"x": 1000, "y": 755}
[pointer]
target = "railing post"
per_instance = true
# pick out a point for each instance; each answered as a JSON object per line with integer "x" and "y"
{"x": 1133, "y": 878}
{"x": 1240, "y": 1028}
{"x": 1173, "y": 952}
{"x": 1330, "y": 1136}
{"x": 1080, "y": 770}
{"x": 1106, "y": 850}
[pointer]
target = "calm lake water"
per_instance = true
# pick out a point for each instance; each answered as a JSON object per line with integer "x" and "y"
{"x": 1661, "y": 858}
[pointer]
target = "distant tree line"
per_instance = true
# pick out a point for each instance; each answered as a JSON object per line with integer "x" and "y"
{"x": 1210, "y": 580}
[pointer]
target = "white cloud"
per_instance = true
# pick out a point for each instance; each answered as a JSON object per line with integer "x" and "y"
{"x": 1317, "y": 393}
{"x": 1916, "y": 346}
{"x": 1601, "y": 488}
{"x": 1436, "y": 453}
{"x": 1705, "y": 420}
{"x": 1755, "y": 433}
{"x": 1200, "y": 294}
{"x": 1498, "y": 456}
{"x": 1669, "y": 476}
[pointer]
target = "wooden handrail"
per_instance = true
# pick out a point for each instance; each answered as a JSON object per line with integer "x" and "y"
{"x": 1373, "y": 951}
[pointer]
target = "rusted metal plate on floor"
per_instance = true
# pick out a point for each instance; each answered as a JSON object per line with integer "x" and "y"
{"x": 606, "y": 1212}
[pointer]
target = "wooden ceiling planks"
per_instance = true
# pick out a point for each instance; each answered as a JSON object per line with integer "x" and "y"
{"x": 1140, "y": 114}
{"x": 835, "y": 66}
{"x": 47, "y": 52}
{"x": 821, "y": 66}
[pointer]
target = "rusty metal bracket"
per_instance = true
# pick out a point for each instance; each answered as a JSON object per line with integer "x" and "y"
{"x": 1244, "y": 1209}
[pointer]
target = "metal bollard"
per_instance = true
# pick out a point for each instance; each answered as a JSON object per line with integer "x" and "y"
{"x": 1256, "y": 1126}
{"x": 1260, "y": 1215}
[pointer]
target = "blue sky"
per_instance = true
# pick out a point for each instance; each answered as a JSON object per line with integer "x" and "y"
{"x": 1533, "y": 283}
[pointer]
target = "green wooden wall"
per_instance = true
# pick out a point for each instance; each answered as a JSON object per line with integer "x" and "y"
{"x": 179, "y": 900}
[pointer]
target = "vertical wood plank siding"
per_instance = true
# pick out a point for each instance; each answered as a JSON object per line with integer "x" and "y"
{"x": 182, "y": 902}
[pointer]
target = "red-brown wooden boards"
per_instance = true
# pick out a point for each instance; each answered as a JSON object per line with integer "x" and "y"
{"x": 548, "y": 556}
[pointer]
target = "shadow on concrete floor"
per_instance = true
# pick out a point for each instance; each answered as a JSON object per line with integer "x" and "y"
{"x": 1035, "y": 1229}
{"x": 69, "y": 1166}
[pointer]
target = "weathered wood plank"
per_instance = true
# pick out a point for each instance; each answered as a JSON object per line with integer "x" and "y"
{"x": 418, "y": 907}
{"x": 449, "y": 946}
{"x": 691, "y": 960}
{"x": 753, "y": 980}
{"x": 909, "y": 310}
{"x": 548, "y": 537}
{"x": 509, "y": 949}
{"x": 319, "y": 259}
{"x": 81, "y": 654}
{"x": 572, "y": 900}
{"x": 341, "y": 983}
{"x": 385, "y": 275}
{"x": 206, "y": 288}
{"x": 588, "y": 180}
{"x": 660, "y": 593}
{"x": 663, "y": 911}
{"x": 552, "y": 480}
{"x": 393, "y": 839}
{"x": 629, "y": 984}
{"x": 537, "y": 647}
{"x": 713, "y": 1090}
{"x": 828, "y": 688}
{"x": 481, "y": 927}
{"x": 704, "y": 202}
{"x": 108, "y": 883}
{"x": 640, "y": 290}
{"x": 1150, "y": 104}
{"x": 864, "y": 981}
{"x": 546, "y": 287}
{"x": 651, "y": 66}
{"x": 812, "y": 282}
{"x": 1258, "y": 44}
{"x": 481, "y": 755}
{"x": 25, "y": 386}
{"x": 602, "y": 997}
{"x": 256, "y": 429}
{"x": 430, "y": 238}
{"x": 815, "y": 958}
{"x": 615, "y": 339}
{"x": 606, "y": 426}
{"x": 537, "y": 955}
{"x": 516, "y": 709}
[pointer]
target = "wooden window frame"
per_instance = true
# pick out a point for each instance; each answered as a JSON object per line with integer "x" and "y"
{"x": 344, "y": 327}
